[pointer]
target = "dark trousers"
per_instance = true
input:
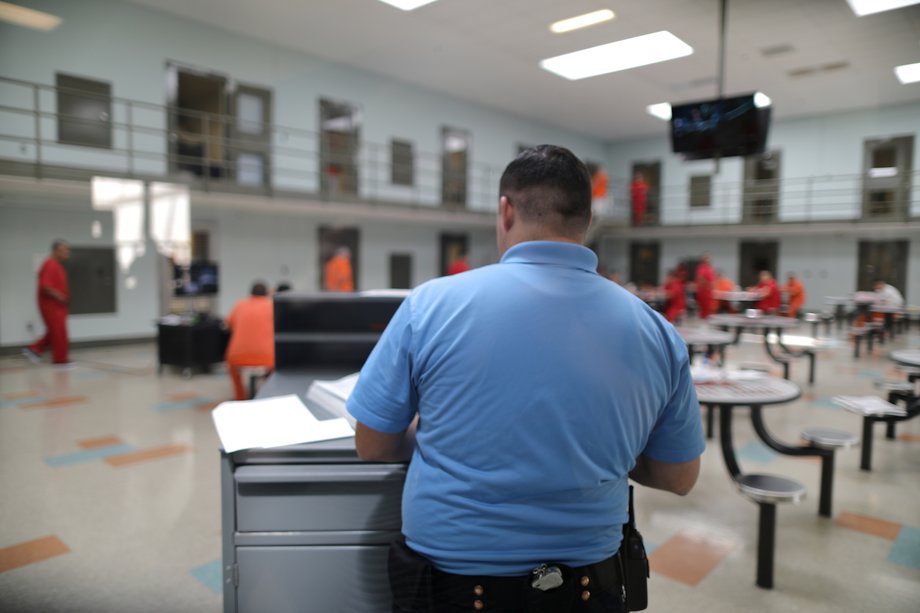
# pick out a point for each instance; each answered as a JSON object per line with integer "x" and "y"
{"x": 419, "y": 587}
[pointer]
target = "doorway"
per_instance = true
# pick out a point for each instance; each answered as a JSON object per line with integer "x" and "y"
{"x": 455, "y": 147}
{"x": 197, "y": 104}
{"x": 340, "y": 142}
{"x": 882, "y": 261}
{"x": 453, "y": 247}
{"x": 644, "y": 260}
{"x": 761, "y": 187}
{"x": 342, "y": 242}
{"x": 754, "y": 257}
{"x": 400, "y": 271}
{"x": 651, "y": 174}
{"x": 250, "y": 133}
{"x": 887, "y": 169}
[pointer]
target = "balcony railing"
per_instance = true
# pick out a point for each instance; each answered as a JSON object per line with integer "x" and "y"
{"x": 144, "y": 140}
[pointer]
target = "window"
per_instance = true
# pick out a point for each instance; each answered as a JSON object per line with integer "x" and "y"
{"x": 402, "y": 163}
{"x": 455, "y": 147}
{"x": 700, "y": 190}
{"x": 84, "y": 110}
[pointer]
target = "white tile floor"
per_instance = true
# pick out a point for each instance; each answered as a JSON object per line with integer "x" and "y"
{"x": 146, "y": 536}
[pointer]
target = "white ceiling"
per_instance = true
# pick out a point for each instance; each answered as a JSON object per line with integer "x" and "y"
{"x": 487, "y": 51}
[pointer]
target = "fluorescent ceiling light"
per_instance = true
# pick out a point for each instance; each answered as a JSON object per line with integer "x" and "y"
{"x": 582, "y": 21}
{"x": 662, "y": 110}
{"x": 883, "y": 173}
{"x": 21, "y": 16}
{"x": 407, "y": 5}
{"x": 621, "y": 55}
{"x": 762, "y": 100}
{"x": 908, "y": 73}
{"x": 869, "y": 7}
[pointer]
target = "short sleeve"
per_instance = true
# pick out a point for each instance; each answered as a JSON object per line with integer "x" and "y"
{"x": 678, "y": 434}
{"x": 384, "y": 398}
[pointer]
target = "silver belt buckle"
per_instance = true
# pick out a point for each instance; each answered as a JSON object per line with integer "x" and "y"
{"x": 546, "y": 578}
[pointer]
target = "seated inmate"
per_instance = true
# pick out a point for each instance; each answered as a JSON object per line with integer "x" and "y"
{"x": 252, "y": 336}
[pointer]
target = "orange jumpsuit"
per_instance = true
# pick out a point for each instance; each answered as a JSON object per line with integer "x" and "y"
{"x": 723, "y": 284}
{"x": 252, "y": 338}
{"x": 54, "y": 312}
{"x": 796, "y": 292}
{"x": 339, "y": 276}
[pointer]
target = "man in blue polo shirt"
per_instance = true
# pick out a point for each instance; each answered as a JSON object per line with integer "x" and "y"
{"x": 526, "y": 393}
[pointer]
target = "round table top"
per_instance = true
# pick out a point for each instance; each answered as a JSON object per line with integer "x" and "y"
{"x": 760, "y": 321}
{"x": 747, "y": 392}
{"x": 652, "y": 295}
{"x": 865, "y": 297}
{"x": 737, "y": 296}
{"x": 705, "y": 336}
{"x": 911, "y": 357}
{"x": 886, "y": 308}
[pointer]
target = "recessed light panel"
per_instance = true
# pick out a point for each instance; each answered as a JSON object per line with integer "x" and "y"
{"x": 761, "y": 100}
{"x": 869, "y": 7}
{"x": 582, "y": 21}
{"x": 908, "y": 73}
{"x": 407, "y": 5}
{"x": 21, "y": 16}
{"x": 621, "y": 55}
{"x": 662, "y": 110}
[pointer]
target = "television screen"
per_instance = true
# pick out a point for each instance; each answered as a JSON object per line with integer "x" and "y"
{"x": 723, "y": 127}
{"x": 199, "y": 279}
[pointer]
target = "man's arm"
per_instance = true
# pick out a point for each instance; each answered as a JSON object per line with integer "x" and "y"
{"x": 678, "y": 478}
{"x": 376, "y": 446}
{"x": 56, "y": 294}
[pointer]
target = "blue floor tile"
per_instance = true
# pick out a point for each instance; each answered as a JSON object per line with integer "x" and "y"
{"x": 86, "y": 455}
{"x": 870, "y": 374}
{"x": 756, "y": 452}
{"x": 211, "y": 574}
{"x": 179, "y": 405}
{"x": 15, "y": 403}
{"x": 824, "y": 403}
{"x": 906, "y": 548}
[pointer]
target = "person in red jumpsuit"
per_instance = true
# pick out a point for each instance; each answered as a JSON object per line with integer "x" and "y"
{"x": 769, "y": 291}
{"x": 638, "y": 192}
{"x": 705, "y": 281}
{"x": 53, "y": 299}
{"x": 460, "y": 264}
{"x": 675, "y": 300}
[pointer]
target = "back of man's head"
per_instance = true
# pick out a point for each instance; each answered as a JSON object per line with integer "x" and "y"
{"x": 259, "y": 289}
{"x": 549, "y": 187}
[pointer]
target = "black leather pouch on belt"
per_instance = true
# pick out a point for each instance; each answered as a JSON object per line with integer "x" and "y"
{"x": 635, "y": 563}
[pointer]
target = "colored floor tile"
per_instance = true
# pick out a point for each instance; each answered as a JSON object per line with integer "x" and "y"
{"x": 870, "y": 374}
{"x": 869, "y": 525}
{"x": 100, "y": 441}
{"x": 756, "y": 453}
{"x": 87, "y": 455}
{"x": 31, "y": 552}
{"x": 21, "y": 395}
{"x": 910, "y": 438}
{"x": 211, "y": 575}
{"x": 906, "y": 548}
{"x": 27, "y": 400}
{"x": 146, "y": 454}
{"x": 689, "y": 558}
{"x": 54, "y": 403}
{"x": 824, "y": 403}
{"x": 180, "y": 405}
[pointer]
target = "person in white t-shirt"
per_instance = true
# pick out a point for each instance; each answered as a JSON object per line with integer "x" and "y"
{"x": 888, "y": 294}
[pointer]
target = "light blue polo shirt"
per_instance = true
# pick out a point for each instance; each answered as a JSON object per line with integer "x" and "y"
{"x": 538, "y": 382}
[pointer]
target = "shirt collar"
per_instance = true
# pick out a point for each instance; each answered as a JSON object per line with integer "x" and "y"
{"x": 553, "y": 253}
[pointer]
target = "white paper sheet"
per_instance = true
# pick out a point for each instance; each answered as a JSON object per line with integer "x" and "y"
{"x": 273, "y": 422}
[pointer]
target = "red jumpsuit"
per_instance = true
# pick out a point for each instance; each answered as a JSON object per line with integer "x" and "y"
{"x": 676, "y": 303}
{"x": 54, "y": 312}
{"x": 772, "y": 298}
{"x": 705, "y": 280}
{"x": 638, "y": 191}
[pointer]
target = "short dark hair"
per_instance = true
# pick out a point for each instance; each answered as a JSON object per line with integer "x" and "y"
{"x": 283, "y": 286}
{"x": 57, "y": 243}
{"x": 259, "y": 289}
{"x": 549, "y": 184}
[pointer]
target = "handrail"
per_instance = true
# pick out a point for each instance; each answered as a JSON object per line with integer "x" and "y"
{"x": 297, "y": 160}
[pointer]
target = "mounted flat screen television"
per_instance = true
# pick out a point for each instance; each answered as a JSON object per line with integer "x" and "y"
{"x": 723, "y": 127}
{"x": 198, "y": 279}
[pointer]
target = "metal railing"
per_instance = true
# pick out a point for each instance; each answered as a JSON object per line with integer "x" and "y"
{"x": 225, "y": 153}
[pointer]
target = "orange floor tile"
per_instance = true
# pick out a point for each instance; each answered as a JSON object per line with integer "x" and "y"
{"x": 147, "y": 454}
{"x": 54, "y": 403}
{"x": 101, "y": 441}
{"x": 688, "y": 558}
{"x": 870, "y": 525}
{"x": 30, "y": 552}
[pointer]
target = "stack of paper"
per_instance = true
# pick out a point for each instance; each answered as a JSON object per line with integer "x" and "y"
{"x": 331, "y": 395}
{"x": 273, "y": 422}
{"x": 868, "y": 405}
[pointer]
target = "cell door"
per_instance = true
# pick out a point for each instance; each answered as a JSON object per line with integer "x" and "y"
{"x": 453, "y": 246}
{"x": 455, "y": 147}
{"x": 400, "y": 271}
{"x": 250, "y": 133}
{"x": 761, "y": 187}
{"x": 644, "y": 263}
{"x": 882, "y": 261}
{"x": 887, "y": 169}
{"x": 340, "y": 141}
{"x": 754, "y": 257}
{"x": 651, "y": 174}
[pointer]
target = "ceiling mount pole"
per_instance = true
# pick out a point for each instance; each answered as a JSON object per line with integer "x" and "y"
{"x": 723, "y": 19}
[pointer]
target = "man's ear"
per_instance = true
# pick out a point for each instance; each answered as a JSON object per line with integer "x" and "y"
{"x": 506, "y": 213}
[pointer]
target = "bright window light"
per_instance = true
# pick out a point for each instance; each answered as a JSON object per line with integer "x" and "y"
{"x": 28, "y": 18}
{"x": 869, "y": 7}
{"x": 908, "y": 73}
{"x": 762, "y": 100}
{"x": 407, "y": 5}
{"x": 582, "y": 21}
{"x": 662, "y": 110}
{"x": 621, "y": 55}
{"x": 170, "y": 221}
{"x": 883, "y": 173}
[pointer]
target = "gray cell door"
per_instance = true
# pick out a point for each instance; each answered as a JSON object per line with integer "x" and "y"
{"x": 340, "y": 145}
{"x": 250, "y": 135}
{"x": 84, "y": 109}
{"x": 887, "y": 168}
{"x": 400, "y": 271}
{"x": 761, "y": 187}
{"x": 882, "y": 261}
{"x": 91, "y": 275}
{"x": 754, "y": 257}
{"x": 651, "y": 174}
{"x": 455, "y": 148}
{"x": 644, "y": 260}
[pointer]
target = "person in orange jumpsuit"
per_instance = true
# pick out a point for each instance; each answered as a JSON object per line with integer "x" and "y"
{"x": 460, "y": 264}
{"x": 252, "y": 336}
{"x": 705, "y": 281}
{"x": 769, "y": 290}
{"x": 638, "y": 192}
{"x": 723, "y": 284}
{"x": 675, "y": 299}
{"x": 339, "y": 276}
{"x": 796, "y": 292}
{"x": 53, "y": 300}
